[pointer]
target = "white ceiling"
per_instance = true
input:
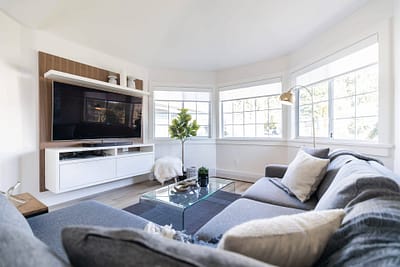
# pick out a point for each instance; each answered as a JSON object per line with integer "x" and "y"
{"x": 185, "y": 34}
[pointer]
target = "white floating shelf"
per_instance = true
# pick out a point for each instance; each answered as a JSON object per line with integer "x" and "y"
{"x": 68, "y": 78}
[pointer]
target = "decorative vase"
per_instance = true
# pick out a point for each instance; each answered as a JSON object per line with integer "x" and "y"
{"x": 112, "y": 79}
{"x": 203, "y": 181}
{"x": 131, "y": 82}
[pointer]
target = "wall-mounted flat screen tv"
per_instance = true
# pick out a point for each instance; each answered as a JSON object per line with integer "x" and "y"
{"x": 84, "y": 113}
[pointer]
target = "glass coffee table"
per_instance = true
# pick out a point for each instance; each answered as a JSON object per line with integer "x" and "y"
{"x": 179, "y": 202}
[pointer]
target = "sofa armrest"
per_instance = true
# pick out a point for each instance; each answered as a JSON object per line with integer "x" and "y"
{"x": 275, "y": 170}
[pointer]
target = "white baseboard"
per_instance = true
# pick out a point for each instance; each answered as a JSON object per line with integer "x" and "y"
{"x": 238, "y": 175}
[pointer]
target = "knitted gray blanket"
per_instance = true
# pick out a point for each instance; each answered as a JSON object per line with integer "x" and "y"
{"x": 339, "y": 152}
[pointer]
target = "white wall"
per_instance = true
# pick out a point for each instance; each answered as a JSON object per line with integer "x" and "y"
{"x": 247, "y": 158}
{"x": 18, "y": 98}
{"x": 19, "y": 158}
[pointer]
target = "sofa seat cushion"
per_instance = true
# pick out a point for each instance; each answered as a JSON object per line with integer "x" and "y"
{"x": 47, "y": 227}
{"x": 240, "y": 211}
{"x": 266, "y": 190}
{"x": 98, "y": 246}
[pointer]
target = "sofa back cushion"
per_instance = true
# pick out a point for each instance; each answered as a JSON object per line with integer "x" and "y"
{"x": 321, "y": 153}
{"x": 331, "y": 171}
{"x": 99, "y": 246}
{"x": 10, "y": 216}
{"x": 384, "y": 171}
{"x": 353, "y": 179}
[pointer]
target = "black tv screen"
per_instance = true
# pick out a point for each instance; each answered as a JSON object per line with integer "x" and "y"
{"x": 83, "y": 113}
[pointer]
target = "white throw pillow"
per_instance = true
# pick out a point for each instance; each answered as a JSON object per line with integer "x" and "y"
{"x": 304, "y": 174}
{"x": 289, "y": 240}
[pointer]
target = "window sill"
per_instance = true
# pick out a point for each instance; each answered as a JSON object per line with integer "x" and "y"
{"x": 374, "y": 149}
{"x": 340, "y": 142}
{"x": 252, "y": 141}
{"x": 165, "y": 141}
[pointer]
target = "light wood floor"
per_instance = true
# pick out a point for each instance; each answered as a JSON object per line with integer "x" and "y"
{"x": 125, "y": 196}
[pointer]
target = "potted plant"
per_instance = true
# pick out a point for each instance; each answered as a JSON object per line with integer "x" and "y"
{"x": 182, "y": 128}
{"x": 202, "y": 176}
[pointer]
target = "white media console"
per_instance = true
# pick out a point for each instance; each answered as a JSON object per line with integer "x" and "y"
{"x": 71, "y": 168}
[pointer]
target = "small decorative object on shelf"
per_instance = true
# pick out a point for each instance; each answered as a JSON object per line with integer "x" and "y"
{"x": 112, "y": 79}
{"x": 203, "y": 176}
{"x": 131, "y": 82}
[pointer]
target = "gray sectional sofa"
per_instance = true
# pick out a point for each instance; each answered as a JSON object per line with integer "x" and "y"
{"x": 269, "y": 198}
{"x": 370, "y": 232}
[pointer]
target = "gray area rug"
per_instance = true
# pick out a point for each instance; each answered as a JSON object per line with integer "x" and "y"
{"x": 195, "y": 216}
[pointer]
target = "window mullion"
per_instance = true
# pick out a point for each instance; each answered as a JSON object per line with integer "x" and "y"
{"x": 355, "y": 109}
{"x": 297, "y": 114}
{"x": 331, "y": 95}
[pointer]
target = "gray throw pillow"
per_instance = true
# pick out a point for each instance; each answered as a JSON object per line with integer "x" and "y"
{"x": 321, "y": 153}
{"x": 352, "y": 180}
{"x": 19, "y": 248}
{"x": 11, "y": 216}
{"x": 98, "y": 246}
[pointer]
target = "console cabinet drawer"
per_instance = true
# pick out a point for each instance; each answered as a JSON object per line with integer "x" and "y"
{"x": 134, "y": 165}
{"x": 86, "y": 173}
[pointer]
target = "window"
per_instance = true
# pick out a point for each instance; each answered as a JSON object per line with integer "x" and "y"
{"x": 346, "y": 95}
{"x": 252, "y": 111}
{"x": 168, "y": 101}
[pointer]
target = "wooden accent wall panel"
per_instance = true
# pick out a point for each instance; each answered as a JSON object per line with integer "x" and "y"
{"x": 51, "y": 62}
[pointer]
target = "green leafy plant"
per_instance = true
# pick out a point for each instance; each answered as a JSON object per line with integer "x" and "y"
{"x": 182, "y": 128}
{"x": 202, "y": 172}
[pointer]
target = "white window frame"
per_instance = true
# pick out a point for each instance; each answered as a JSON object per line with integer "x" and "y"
{"x": 178, "y": 88}
{"x": 370, "y": 40}
{"x": 241, "y": 86}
